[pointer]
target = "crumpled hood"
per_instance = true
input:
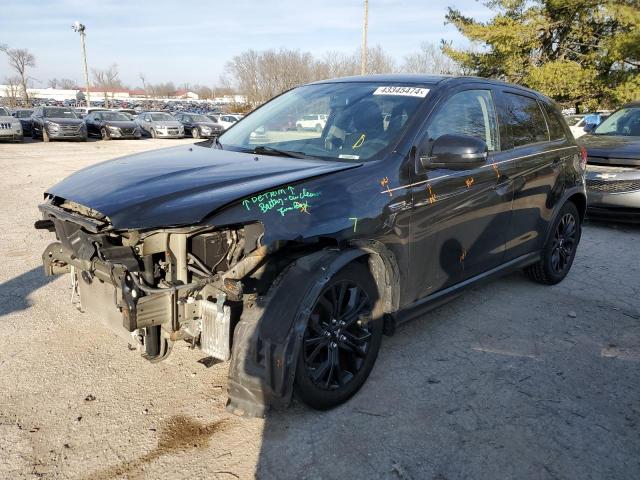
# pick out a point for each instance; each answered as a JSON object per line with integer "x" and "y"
{"x": 181, "y": 185}
{"x": 611, "y": 146}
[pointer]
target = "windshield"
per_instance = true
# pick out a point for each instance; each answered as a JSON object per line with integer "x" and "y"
{"x": 23, "y": 113}
{"x": 59, "y": 113}
{"x": 625, "y": 121}
{"x": 161, "y": 117}
{"x": 4, "y": 113}
{"x": 351, "y": 121}
{"x": 115, "y": 117}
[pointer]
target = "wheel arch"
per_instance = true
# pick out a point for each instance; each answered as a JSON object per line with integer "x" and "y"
{"x": 580, "y": 201}
{"x": 578, "y": 197}
{"x": 267, "y": 339}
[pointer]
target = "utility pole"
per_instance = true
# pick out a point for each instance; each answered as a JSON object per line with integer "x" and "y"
{"x": 80, "y": 28}
{"x": 365, "y": 26}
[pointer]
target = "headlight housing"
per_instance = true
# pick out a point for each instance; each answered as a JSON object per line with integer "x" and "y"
{"x": 206, "y": 129}
{"x": 113, "y": 129}
{"x": 54, "y": 127}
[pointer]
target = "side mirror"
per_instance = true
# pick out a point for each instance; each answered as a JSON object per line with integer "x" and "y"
{"x": 589, "y": 127}
{"x": 454, "y": 152}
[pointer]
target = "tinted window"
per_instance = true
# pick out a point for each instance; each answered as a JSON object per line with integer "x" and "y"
{"x": 556, "y": 130}
{"x": 467, "y": 113}
{"x": 525, "y": 120}
{"x": 4, "y": 113}
{"x": 23, "y": 113}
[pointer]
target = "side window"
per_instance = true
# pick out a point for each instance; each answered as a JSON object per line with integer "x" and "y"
{"x": 556, "y": 130}
{"x": 524, "y": 120}
{"x": 467, "y": 113}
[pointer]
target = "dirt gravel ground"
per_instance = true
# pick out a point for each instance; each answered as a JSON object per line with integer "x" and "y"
{"x": 511, "y": 380}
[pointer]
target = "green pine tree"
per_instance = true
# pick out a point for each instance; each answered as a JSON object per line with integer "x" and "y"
{"x": 582, "y": 53}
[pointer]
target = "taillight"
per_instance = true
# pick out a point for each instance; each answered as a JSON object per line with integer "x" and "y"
{"x": 583, "y": 157}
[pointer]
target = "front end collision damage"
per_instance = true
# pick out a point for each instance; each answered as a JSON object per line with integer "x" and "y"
{"x": 220, "y": 288}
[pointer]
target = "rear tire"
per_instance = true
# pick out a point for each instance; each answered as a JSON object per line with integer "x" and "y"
{"x": 560, "y": 250}
{"x": 341, "y": 341}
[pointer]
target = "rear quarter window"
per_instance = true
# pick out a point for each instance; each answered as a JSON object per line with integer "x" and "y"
{"x": 524, "y": 120}
{"x": 554, "y": 121}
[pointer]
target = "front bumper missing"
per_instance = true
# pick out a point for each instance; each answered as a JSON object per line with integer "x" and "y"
{"x": 154, "y": 320}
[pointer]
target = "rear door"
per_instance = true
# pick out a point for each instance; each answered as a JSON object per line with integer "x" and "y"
{"x": 538, "y": 178}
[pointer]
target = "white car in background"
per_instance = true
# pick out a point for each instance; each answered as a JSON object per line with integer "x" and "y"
{"x": 228, "y": 120}
{"x": 576, "y": 125}
{"x": 10, "y": 127}
{"x": 312, "y": 121}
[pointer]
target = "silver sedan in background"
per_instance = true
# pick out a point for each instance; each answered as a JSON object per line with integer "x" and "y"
{"x": 160, "y": 125}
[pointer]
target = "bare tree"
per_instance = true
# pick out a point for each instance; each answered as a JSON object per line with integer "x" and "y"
{"x": 63, "y": 83}
{"x": 20, "y": 59}
{"x": 430, "y": 59}
{"x": 107, "y": 80}
{"x": 12, "y": 90}
{"x": 378, "y": 61}
{"x": 262, "y": 75}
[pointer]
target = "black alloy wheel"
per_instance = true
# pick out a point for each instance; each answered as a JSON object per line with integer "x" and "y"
{"x": 563, "y": 246}
{"x": 560, "y": 250}
{"x": 342, "y": 339}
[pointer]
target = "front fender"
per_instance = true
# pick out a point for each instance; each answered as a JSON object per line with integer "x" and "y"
{"x": 267, "y": 339}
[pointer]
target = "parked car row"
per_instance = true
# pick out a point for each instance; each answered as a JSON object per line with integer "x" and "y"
{"x": 60, "y": 122}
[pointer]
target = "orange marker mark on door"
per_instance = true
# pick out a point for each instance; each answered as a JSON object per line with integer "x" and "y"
{"x": 432, "y": 196}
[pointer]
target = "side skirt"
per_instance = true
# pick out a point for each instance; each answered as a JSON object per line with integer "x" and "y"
{"x": 428, "y": 303}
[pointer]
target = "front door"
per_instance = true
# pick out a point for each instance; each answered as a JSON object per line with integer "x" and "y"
{"x": 460, "y": 218}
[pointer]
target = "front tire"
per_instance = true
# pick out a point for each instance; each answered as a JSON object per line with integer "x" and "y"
{"x": 104, "y": 134}
{"x": 195, "y": 133}
{"x": 560, "y": 250}
{"x": 45, "y": 135}
{"x": 153, "y": 133}
{"x": 341, "y": 341}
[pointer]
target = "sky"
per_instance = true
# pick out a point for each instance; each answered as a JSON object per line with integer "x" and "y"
{"x": 191, "y": 41}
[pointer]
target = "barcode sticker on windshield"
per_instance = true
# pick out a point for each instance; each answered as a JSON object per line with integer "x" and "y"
{"x": 403, "y": 91}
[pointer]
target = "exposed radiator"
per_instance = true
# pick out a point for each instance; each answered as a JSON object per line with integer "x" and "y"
{"x": 216, "y": 326}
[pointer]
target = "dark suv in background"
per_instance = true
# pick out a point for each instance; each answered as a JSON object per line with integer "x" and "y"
{"x": 292, "y": 252}
{"x": 613, "y": 167}
{"x": 57, "y": 123}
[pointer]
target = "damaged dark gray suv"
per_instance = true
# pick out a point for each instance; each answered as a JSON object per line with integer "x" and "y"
{"x": 291, "y": 253}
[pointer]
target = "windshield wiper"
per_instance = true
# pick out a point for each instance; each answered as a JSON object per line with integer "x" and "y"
{"x": 274, "y": 151}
